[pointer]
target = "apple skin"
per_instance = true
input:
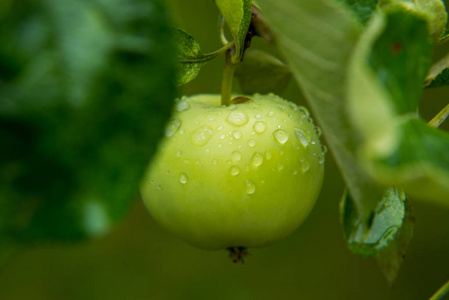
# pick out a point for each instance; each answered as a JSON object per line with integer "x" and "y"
{"x": 243, "y": 175}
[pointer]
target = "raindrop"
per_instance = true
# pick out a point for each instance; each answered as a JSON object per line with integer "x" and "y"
{"x": 220, "y": 127}
{"x": 182, "y": 106}
{"x": 236, "y": 156}
{"x": 303, "y": 137}
{"x": 295, "y": 172}
{"x": 250, "y": 187}
{"x": 305, "y": 164}
{"x": 237, "y": 134}
{"x": 172, "y": 127}
{"x": 220, "y": 145}
{"x": 271, "y": 113}
{"x": 201, "y": 136}
{"x": 214, "y": 162}
{"x": 280, "y": 136}
{"x": 313, "y": 142}
{"x": 237, "y": 118}
{"x": 183, "y": 178}
{"x": 303, "y": 112}
{"x": 235, "y": 170}
{"x": 258, "y": 116}
{"x": 179, "y": 153}
{"x": 222, "y": 136}
{"x": 317, "y": 131}
{"x": 251, "y": 143}
{"x": 260, "y": 126}
{"x": 257, "y": 159}
{"x": 280, "y": 166}
{"x": 268, "y": 154}
{"x": 321, "y": 159}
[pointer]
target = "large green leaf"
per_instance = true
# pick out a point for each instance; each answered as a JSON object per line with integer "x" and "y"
{"x": 86, "y": 88}
{"x": 317, "y": 38}
{"x": 385, "y": 85}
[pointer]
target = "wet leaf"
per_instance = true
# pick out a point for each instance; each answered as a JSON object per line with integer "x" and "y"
{"x": 369, "y": 237}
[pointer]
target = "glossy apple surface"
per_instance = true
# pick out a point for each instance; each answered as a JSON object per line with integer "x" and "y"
{"x": 241, "y": 175}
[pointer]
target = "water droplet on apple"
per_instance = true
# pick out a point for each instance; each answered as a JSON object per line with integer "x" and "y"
{"x": 305, "y": 164}
{"x": 237, "y": 134}
{"x": 271, "y": 113}
{"x": 280, "y": 136}
{"x": 303, "y": 112}
{"x": 295, "y": 172}
{"x": 237, "y": 118}
{"x": 250, "y": 187}
{"x": 201, "y": 136}
{"x": 251, "y": 143}
{"x": 214, "y": 161}
{"x": 179, "y": 153}
{"x": 236, "y": 156}
{"x": 172, "y": 127}
{"x": 235, "y": 170}
{"x": 220, "y": 127}
{"x": 183, "y": 178}
{"x": 260, "y": 127}
{"x": 258, "y": 116}
{"x": 268, "y": 154}
{"x": 182, "y": 106}
{"x": 280, "y": 166}
{"x": 257, "y": 159}
{"x": 317, "y": 131}
{"x": 303, "y": 137}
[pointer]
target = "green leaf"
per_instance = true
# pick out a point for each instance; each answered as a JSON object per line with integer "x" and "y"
{"x": 262, "y": 73}
{"x": 237, "y": 14}
{"x": 438, "y": 75}
{"x": 369, "y": 237}
{"x": 190, "y": 57}
{"x": 433, "y": 11}
{"x": 391, "y": 258}
{"x": 398, "y": 147}
{"x": 362, "y": 9}
{"x": 317, "y": 39}
{"x": 86, "y": 88}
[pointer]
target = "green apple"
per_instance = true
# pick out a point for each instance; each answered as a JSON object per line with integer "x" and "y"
{"x": 244, "y": 175}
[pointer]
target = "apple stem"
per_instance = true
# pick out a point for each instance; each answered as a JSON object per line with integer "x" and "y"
{"x": 236, "y": 254}
{"x": 228, "y": 76}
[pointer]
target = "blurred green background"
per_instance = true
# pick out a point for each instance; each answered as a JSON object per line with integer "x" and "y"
{"x": 138, "y": 260}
